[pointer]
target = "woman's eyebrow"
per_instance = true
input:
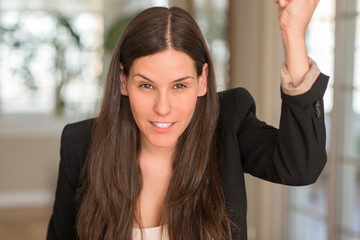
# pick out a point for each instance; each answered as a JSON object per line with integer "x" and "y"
{"x": 183, "y": 78}
{"x": 148, "y": 79}
{"x": 144, "y": 77}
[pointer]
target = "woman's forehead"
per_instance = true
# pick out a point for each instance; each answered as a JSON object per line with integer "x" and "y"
{"x": 167, "y": 62}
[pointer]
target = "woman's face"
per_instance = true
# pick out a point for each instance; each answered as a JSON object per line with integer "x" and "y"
{"x": 163, "y": 89}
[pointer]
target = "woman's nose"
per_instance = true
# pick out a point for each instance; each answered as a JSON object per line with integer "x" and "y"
{"x": 162, "y": 104}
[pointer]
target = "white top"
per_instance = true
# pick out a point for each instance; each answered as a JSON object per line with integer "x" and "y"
{"x": 153, "y": 233}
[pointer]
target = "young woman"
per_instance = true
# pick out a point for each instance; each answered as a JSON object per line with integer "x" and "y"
{"x": 165, "y": 158}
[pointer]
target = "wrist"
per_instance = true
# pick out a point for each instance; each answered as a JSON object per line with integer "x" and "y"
{"x": 293, "y": 38}
{"x": 296, "y": 58}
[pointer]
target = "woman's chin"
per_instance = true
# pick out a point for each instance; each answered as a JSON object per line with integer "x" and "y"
{"x": 162, "y": 143}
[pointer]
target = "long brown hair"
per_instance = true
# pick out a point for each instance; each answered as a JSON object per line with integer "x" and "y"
{"x": 194, "y": 206}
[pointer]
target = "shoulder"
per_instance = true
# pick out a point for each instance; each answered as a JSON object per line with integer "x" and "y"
{"x": 78, "y": 132}
{"x": 75, "y": 141}
{"x": 239, "y": 91}
{"x": 236, "y": 101}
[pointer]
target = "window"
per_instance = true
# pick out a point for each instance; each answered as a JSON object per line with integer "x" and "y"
{"x": 50, "y": 61}
{"x": 212, "y": 19}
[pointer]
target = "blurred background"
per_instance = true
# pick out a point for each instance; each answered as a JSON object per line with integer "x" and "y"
{"x": 54, "y": 56}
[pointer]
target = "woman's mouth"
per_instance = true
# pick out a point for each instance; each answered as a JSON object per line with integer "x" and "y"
{"x": 162, "y": 125}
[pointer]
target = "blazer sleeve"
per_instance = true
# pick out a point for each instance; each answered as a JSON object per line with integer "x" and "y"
{"x": 73, "y": 150}
{"x": 295, "y": 153}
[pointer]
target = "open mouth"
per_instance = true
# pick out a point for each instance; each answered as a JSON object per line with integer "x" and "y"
{"x": 162, "y": 125}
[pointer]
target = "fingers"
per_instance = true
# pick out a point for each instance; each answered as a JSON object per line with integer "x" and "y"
{"x": 283, "y": 3}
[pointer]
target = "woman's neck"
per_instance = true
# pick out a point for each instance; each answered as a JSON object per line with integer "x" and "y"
{"x": 156, "y": 153}
{"x": 156, "y": 161}
{"x": 156, "y": 169}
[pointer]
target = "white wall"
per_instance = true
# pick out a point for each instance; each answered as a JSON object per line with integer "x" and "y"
{"x": 29, "y": 158}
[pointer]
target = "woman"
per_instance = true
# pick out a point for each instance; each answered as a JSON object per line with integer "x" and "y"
{"x": 165, "y": 158}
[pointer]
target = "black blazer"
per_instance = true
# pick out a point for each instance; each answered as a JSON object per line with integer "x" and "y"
{"x": 294, "y": 154}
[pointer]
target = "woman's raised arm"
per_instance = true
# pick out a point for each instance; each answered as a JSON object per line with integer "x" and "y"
{"x": 294, "y": 17}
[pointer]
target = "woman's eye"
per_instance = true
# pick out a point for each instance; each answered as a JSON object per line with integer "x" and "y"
{"x": 147, "y": 86}
{"x": 179, "y": 85}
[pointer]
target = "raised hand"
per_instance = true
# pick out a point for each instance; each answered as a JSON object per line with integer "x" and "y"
{"x": 294, "y": 17}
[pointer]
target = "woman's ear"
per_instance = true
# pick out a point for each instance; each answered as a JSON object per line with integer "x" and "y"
{"x": 203, "y": 80}
{"x": 123, "y": 87}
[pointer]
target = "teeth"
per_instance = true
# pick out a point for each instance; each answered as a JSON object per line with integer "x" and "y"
{"x": 162, "y": 125}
